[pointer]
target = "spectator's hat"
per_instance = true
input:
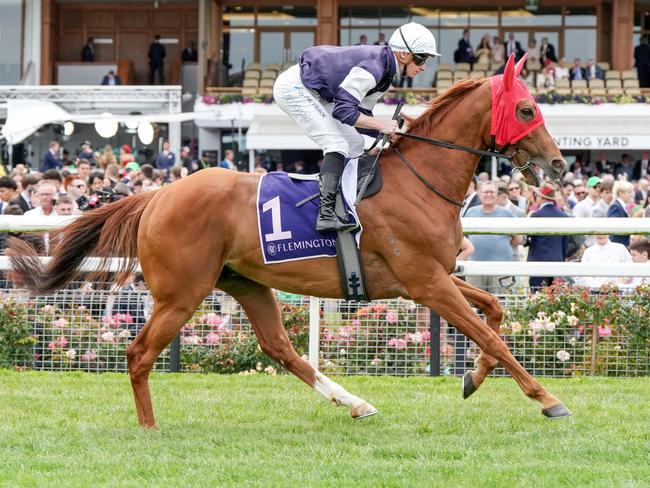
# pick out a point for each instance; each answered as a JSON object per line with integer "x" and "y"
{"x": 132, "y": 166}
{"x": 593, "y": 181}
{"x": 547, "y": 192}
{"x": 86, "y": 143}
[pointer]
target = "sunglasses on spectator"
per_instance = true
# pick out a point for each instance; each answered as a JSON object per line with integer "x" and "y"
{"x": 418, "y": 59}
{"x": 514, "y": 188}
{"x": 581, "y": 193}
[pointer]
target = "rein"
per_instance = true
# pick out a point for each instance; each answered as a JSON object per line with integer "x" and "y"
{"x": 520, "y": 159}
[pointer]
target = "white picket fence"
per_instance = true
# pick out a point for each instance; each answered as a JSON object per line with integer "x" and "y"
{"x": 494, "y": 226}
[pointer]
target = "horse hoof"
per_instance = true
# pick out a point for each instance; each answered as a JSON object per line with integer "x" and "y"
{"x": 362, "y": 411}
{"x": 558, "y": 411}
{"x": 468, "y": 385}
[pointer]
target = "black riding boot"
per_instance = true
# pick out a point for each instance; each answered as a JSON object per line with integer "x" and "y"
{"x": 330, "y": 174}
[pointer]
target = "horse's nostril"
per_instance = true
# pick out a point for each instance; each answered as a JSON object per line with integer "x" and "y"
{"x": 559, "y": 165}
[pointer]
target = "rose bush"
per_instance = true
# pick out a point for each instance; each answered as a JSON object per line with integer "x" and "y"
{"x": 378, "y": 339}
{"x": 210, "y": 343}
{"x": 555, "y": 331}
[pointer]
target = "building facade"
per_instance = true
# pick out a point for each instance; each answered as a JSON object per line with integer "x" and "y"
{"x": 231, "y": 34}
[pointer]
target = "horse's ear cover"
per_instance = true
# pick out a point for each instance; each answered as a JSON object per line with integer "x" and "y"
{"x": 520, "y": 64}
{"x": 509, "y": 73}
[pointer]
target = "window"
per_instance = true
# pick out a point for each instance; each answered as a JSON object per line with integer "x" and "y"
{"x": 579, "y": 43}
{"x": 239, "y": 16}
{"x": 522, "y": 18}
{"x": 238, "y": 48}
{"x": 580, "y": 16}
{"x": 286, "y": 16}
{"x": 11, "y": 34}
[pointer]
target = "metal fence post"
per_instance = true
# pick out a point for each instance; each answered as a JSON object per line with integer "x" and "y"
{"x": 434, "y": 344}
{"x": 314, "y": 331}
{"x": 594, "y": 343}
{"x": 175, "y": 355}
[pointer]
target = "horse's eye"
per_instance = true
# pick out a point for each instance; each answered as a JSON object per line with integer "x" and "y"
{"x": 528, "y": 112}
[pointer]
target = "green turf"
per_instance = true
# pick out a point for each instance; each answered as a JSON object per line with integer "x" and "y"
{"x": 76, "y": 429}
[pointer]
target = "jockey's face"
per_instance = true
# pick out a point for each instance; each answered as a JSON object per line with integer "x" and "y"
{"x": 406, "y": 59}
{"x": 412, "y": 69}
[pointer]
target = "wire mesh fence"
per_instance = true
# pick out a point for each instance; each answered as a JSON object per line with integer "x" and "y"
{"x": 567, "y": 333}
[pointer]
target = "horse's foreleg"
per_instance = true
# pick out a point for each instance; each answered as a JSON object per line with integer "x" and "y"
{"x": 442, "y": 295}
{"x": 490, "y": 306}
{"x": 264, "y": 314}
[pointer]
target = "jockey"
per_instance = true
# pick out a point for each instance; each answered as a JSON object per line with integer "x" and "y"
{"x": 331, "y": 92}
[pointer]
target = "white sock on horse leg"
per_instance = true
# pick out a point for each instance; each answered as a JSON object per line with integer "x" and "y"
{"x": 335, "y": 392}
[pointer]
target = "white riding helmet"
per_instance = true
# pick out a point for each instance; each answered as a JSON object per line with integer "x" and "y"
{"x": 413, "y": 38}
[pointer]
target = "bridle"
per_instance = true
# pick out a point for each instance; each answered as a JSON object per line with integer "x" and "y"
{"x": 520, "y": 159}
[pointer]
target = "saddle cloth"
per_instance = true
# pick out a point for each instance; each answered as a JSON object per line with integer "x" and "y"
{"x": 288, "y": 232}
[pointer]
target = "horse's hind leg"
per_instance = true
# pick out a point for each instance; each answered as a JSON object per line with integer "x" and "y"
{"x": 264, "y": 314}
{"x": 490, "y": 306}
{"x": 166, "y": 320}
{"x": 174, "y": 304}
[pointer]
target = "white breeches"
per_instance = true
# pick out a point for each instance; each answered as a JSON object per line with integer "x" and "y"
{"x": 314, "y": 115}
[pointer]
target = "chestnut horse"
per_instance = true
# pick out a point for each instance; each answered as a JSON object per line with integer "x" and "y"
{"x": 201, "y": 232}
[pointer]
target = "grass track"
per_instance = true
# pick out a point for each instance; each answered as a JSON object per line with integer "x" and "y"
{"x": 75, "y": 429}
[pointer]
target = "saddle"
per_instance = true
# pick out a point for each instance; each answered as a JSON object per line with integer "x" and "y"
{"x": 364, "y": 168}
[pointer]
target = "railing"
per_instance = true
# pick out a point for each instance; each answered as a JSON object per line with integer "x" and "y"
{"x": 410, "y": 339}
{"x": 424, "y": 92}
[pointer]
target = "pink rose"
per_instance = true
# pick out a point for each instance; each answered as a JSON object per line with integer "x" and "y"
{"x": 60, "y": 323}
{"x": 212, "y": 338}
{"x": 604, "y": 331}
{"x": 213, "y": 319}
{"x": 89, "y": 356}
{"x": 397, "y": 343}
{"x": 192, "y": 340}
{"x": 391, "y": 317}
{"x": 107, "y": 337}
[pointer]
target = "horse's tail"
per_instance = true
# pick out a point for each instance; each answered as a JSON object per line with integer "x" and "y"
{"x": 106, "y": 232}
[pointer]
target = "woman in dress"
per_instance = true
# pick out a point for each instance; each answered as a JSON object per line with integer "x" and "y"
{"x": 498, "y": 51}
{"x": 484, "y": 51}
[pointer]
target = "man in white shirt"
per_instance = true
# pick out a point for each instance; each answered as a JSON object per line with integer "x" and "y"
{"x": 583, "y": 208}
{"x": 604, "y": 251}
{"x": 606, "y": 198}
{"x": 46, "y": 195}
{"x": 561, "y": 70}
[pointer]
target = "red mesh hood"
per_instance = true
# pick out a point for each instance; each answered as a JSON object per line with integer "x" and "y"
{"x": 507, "y": 91}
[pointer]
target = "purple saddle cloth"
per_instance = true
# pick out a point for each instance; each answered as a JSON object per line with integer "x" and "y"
{"x": 287, "y": 232}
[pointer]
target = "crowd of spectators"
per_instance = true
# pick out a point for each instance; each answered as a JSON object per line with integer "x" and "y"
{"x": 596, "y": 189}
{"x": 67, "y": 186}
{"x": 551, "y": 69}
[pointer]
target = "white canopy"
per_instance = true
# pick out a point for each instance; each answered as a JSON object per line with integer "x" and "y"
{"x": 26, "y": 116}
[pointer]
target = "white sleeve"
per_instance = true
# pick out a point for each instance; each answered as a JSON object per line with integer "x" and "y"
{"x": 358, "y": 82}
